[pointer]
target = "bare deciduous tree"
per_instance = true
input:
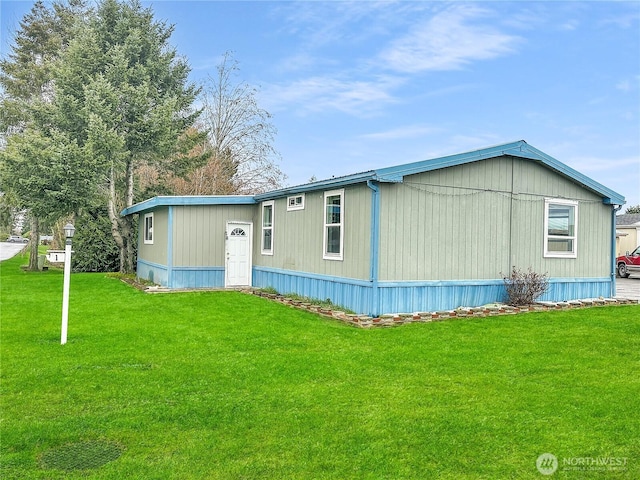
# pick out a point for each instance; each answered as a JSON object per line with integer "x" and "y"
{"x": 240, "y": 135}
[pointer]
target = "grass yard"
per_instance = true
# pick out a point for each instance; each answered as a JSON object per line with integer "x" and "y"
{"x": 225, "y": 385}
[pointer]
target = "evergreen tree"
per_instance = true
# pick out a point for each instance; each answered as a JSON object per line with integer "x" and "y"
{"x": 633, "y": 209}
{"x": 123, "y": 96}
{"x": 26, "y": 78}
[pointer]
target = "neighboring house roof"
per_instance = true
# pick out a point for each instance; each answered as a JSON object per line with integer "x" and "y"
{"x": 627, "y": 219}
{"x": 520, "y": 149}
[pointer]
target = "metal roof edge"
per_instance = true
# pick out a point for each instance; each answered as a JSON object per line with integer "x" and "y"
{"x": 519, "y": 148}
{"x": 394, "y": 174}
{"x": 320, "y": 185}
{"x": 609, "y": 197}
{"x": 180, "y": 200}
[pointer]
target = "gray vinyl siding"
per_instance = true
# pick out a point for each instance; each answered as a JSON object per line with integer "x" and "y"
{"x": 199, "y": 233}
{"x": 157, "y": 251}
{"x": 464, "y": 223}
{"x": 298, "y": 236}
{"x": 594, "y": 224}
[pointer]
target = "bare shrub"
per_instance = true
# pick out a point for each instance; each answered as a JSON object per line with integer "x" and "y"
{"x": 523, "y": 288}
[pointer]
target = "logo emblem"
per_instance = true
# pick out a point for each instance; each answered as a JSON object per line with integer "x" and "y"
{"x": 547, "y": 464}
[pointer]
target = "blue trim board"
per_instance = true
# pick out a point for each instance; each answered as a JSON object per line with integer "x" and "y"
{"x": 374, "y": 248}
{"x": 166, "y": 201}
{"x": 170, "y": 247}
{"x": 614, "y": 212}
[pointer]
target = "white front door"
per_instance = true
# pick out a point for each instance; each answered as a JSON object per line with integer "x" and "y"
{"x": 238, "y": 252}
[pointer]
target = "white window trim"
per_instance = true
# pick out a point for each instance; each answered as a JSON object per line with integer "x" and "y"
{"x": 574, "y": 237}
{"x": 148, "y": 239}
{"x": 325, "y": 255}
{"x": 263, "y": 228}
{"x": 290, "y": 207}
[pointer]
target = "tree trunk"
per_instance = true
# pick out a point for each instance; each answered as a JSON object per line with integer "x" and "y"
{"x": 33, "y": 244}
{"x": 121, "y": 228}
{"x": 115, "y": 220}
{"x": 126, "y": 223}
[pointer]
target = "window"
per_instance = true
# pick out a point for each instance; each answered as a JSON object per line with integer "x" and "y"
{"x": 267, "y": 228}
{"x": 148, "y": 228}
{"x": 333, "y": 225}
{"x": 560, "y": 228}
{"x": 295, "y": 203}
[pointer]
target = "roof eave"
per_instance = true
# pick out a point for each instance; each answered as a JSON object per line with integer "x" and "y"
{"x": 172, "y": 201}
{"x": 396, "y": 174}
{"x": 516, "y": 149}
{"x": 330, "y": 183}
{"x": 609, "y": 197}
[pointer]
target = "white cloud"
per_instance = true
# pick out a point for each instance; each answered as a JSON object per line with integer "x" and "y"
{"x": 302, "y": 61}
{"x": 448, "y": 41}
{"x": 533, "y": 17}
{"x": 625, "y": 19}
{"x": 408, "y": 131}
{"x": 600, "y": 164}
{"x": 319, "y": 93}
{"x": 570, "y": 25}
{"x": 318, "y": 24}
{"x": 624, "y": 85}
{"x": 629, "y": 85}
{"x": 437, "y": 39}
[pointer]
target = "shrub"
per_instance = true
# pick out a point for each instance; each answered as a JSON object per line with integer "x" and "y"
{"x": 523, "y": 288}
{"x": 94, "y": 248}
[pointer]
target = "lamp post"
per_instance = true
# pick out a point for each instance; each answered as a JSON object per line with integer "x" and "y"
{"x": 69, "y": 230}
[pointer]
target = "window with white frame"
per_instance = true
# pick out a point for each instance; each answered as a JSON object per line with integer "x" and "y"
{"x": 295, "y": 202}
{"x": 333, "y": 225}
{"x": 148, "y": 228}
{"x": 560, "y": 228}
{"x": 267, "y": 228}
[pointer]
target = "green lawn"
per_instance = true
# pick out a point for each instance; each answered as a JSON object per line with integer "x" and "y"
{"x": 226, "y": 385}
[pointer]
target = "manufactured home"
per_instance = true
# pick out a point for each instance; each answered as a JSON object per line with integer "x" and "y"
{"x": 627, "y": 232}
{"x": 424, "y": 236}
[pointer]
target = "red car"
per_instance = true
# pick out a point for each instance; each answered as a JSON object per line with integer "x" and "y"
{"x": 629, "y": 263}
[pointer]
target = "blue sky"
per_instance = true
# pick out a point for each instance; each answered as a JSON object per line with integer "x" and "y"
{"x": 358, "y": 85}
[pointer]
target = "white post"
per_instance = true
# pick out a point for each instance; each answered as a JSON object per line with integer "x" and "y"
{"x": 65, "y": 291}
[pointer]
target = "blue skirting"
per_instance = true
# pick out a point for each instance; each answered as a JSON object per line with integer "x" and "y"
{"x": 563, "y": 289}
{"x": 358, "y": 295}
{"x": 396, "y": 297}
{"x": 347, "y": 292}
{"x": 181, "y": 277}
{"x": 197, "y": 277}
{"x": 154, "y": 272}
{"x": 415, "y": 296}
